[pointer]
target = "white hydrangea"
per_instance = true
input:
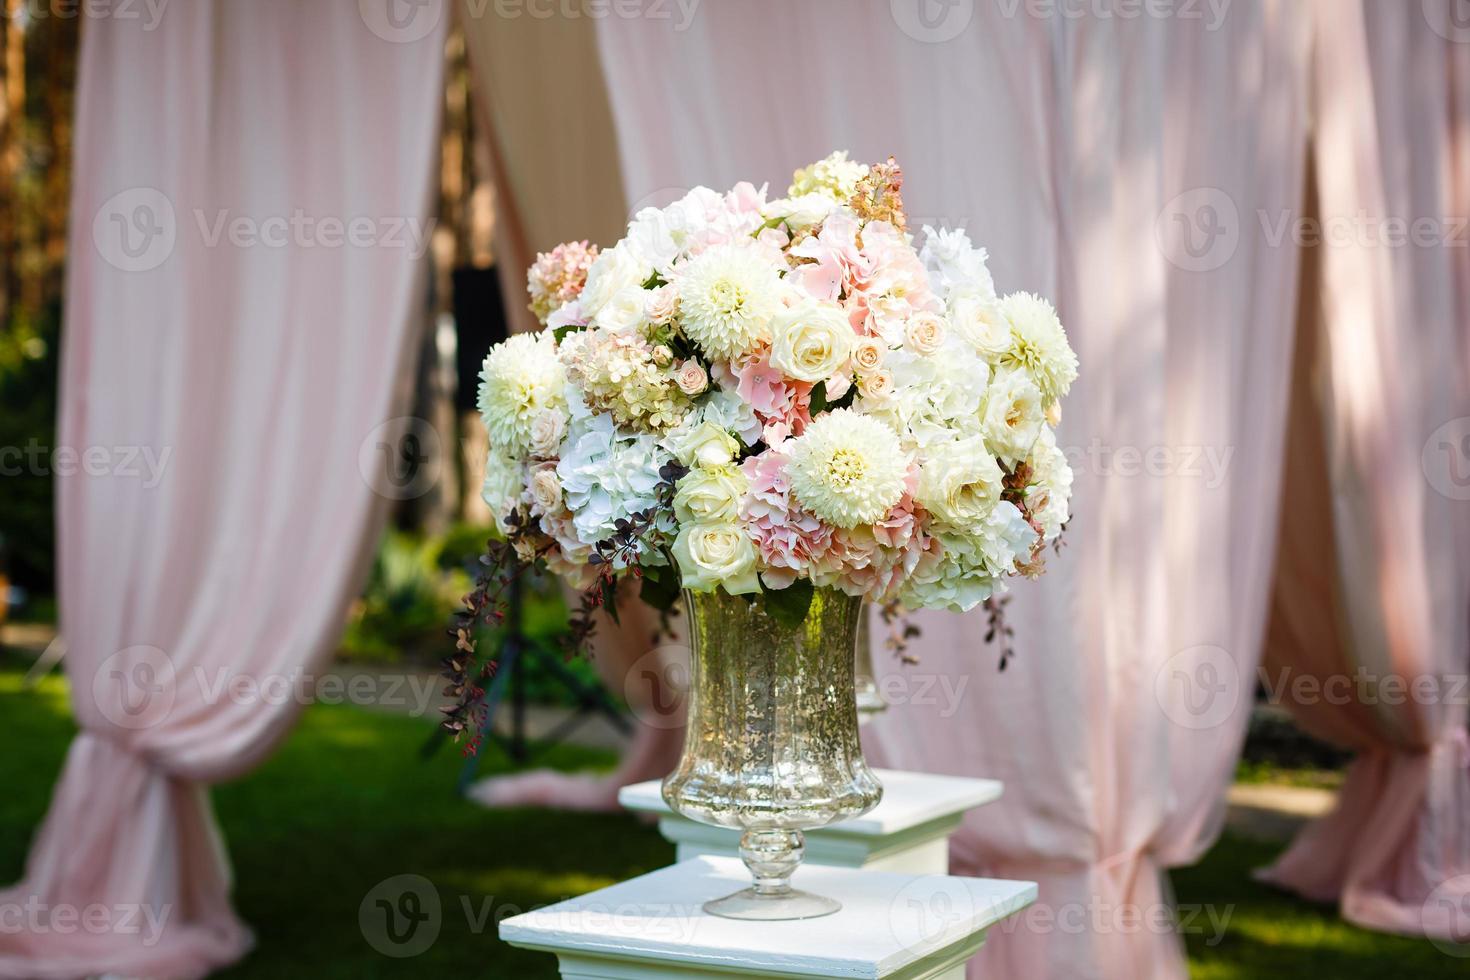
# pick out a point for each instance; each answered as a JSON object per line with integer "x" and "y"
{"x": 727, "y": 297}
{"x": 934, "y": 397}
{"x": 954, "y": 264}
{"x": 658, "y": 236}
{"x": 724, "y": 407}
{"x": 520, "y": 379}
{"x": 606, "y": 475}
{"x": 834, "y": 176}
{"x": 1039, "y": 344}
{"x": 973, "y": 563}
{"x": 1049, "y": 494}
{"x": 1013, "y": 416}
{"x": 847, "y": 469}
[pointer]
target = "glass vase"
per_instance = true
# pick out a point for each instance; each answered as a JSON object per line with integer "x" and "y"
{"x": 772, "y": 742}
{"x": 870, "y": 702}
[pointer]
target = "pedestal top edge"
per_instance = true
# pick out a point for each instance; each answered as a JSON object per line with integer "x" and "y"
{"x": 887, "y": 922}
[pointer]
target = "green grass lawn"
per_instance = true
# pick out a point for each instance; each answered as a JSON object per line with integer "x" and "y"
{"x": 347, "y": 804}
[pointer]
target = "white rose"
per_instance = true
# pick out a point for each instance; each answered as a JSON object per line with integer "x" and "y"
{"x": 837, "y": 386}
{"x": 706, "y": 444}
{"x": 810, "y": 341}
{"x": 1013, "y": 415}
{"x": 960, "y": 482}
{"x": 802, "y": 211}
{"x": 614, "y": 270}
{"x": 547, "y": 430}
{"x": 624, "y": 311}
{"x": 546, "y": 489}
{"x": 979, "y": 323}
{"x": 924, "y": 333}
{"x": 691, "y": 377}
{"x": 714, "y": 555}
{"x": 710, "y": 495}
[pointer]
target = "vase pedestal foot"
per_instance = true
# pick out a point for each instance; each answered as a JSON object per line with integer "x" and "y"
{"x": 772, "y": 857}
{"x": 753, "y": 905}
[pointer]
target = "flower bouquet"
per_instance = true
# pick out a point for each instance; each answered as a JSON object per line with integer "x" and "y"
{"x": 780, "y": 408}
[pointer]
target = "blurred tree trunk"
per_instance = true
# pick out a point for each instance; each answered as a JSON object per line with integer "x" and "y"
{"x": 12, "y": 103}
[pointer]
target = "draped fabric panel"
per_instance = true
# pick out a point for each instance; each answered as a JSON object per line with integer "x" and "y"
{"x": 541, "y": 98}
{"x": 1120, "y": 167}
{"x": 250, "y": 198}
{"x": 1393, "y": 143}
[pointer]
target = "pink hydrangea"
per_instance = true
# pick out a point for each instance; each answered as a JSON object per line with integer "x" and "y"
{"x": 782, "y": 404}
{"x": 788, "y": 539}
{"x": 874, "y": 561}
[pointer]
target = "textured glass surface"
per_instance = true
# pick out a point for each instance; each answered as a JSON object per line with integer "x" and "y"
{"x": 772, "y": 741}
{"x": 870, "y": 701}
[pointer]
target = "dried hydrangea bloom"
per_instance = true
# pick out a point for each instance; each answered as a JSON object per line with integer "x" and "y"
{"x": 558, "y": 276}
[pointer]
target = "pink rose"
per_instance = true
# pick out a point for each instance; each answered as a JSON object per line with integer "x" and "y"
{"x": 691, "y": 377}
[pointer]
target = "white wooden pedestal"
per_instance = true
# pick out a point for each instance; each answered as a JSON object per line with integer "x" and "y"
{"x": 909, "y": 831}
{"x": 891, "y": 926}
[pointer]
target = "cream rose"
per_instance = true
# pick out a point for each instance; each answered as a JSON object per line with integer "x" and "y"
{"x": 704, "y": 445}
{"x": 547, "y": 430}
{"x": 810, "y": 341}
{"x": 877, "y": 384}
{"x": 715, "y": 555}
{"x": 924, "y": 333}
{"x": 661, "y": 305}
{"x": 710, "y": 495}
{"x": 960, "y": 483}
{"x": 867, "y": 355}
{"x": 546, "y": 489}
{"x": 691, "y": 377}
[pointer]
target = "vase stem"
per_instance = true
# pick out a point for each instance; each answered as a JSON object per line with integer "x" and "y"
{"x": 772, "y": 857}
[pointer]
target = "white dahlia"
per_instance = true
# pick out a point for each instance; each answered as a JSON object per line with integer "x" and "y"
{"x": 521, "y": 378}
{"x": 727, "y": 297}
{"x": 847, "y": 469}
{"x": 1039, "y": 344}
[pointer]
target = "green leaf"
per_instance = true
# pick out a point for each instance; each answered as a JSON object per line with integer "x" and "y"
{"x": 819, "y": 398}
{"x": 789, "y": 606}
{"x": 660, "y": 587}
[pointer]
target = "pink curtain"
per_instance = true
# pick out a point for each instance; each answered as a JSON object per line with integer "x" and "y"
{"x": 251, "y": 187}
{"x": 1122, "y": 167}
{"x": 1393, "y": 142}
